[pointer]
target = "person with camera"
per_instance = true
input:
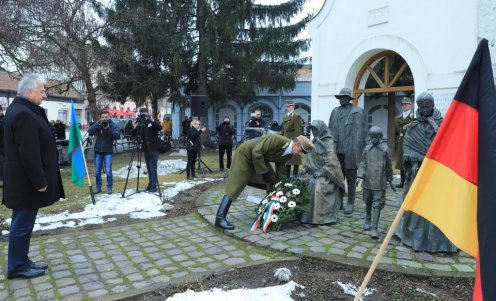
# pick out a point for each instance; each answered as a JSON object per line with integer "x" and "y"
{"x": 225, "y": 131}
{"x": 193, "y": 147}
{"x": 105, "y": 132}
{"x": 255, "y": 122}
{"x": 148, "y": 131}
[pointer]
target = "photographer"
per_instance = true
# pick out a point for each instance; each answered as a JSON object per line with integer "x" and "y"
{"x": 148, "y": 130}
{"x": 255, "y": 122}
{"x": 193, "y": 147}
{"x": 105, "y": 131}
{"x": 225, "y": 131}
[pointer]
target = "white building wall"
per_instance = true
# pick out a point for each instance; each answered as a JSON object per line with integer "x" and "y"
{"x": 53, "y": 107}
{"x": 436, "y": 38}
{"x": 487, "y": 27}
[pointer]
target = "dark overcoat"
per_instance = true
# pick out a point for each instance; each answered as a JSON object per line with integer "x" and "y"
{"x": 355, "y": 134}
{"x": 30, "y": 158}
{"x": 291, "y": 128}
{"x": 252, "y": 158}
{"x": 399, "y": 130}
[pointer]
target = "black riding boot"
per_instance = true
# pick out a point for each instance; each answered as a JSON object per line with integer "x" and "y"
{"x": 220, "y": 217}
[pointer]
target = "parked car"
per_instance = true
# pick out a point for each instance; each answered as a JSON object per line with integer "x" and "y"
{"x": 121, "y": 124}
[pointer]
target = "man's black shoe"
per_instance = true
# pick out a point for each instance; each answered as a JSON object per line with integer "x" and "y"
{"x": 26, "y": 273}
{"x": 400, "y": 185}
{"x": 37, "y": 265}
{"x": 151, "y": 190}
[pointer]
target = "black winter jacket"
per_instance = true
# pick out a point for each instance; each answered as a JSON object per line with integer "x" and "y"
{"x": 225, "y": 133}
{"x": 193, "y": 143}
{"x": 30, "y": 158}
{"x": 105, "y": 137}
{"x": 148, "y": 132}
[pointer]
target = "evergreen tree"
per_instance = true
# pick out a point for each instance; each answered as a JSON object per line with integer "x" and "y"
{"x": 225, "y": 49}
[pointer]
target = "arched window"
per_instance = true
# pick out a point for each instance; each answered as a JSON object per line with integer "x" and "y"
{"x": 304, "y": 111}
{"x": 383, "y": 81}
{"x": 227, "y": 110}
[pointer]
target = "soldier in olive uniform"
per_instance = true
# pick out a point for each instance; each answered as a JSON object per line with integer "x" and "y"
{"x": 291, "y": 128}
{"x": 399, "y": 125}
{"x": 252, "y": 160}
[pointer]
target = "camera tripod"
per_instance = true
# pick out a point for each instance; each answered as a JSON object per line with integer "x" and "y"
{"x": 138, "y": 152}
{"x": 201, "y": 165}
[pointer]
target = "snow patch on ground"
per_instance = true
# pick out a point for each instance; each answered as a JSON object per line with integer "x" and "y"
{"x": 140, "y": 205}
{"x": 164, "y": 167}
{"x": 180, "y": 153}
{"x": 425, "y": 292}
{"x": 351, "y": 289}
{"x": 271, "y": 293}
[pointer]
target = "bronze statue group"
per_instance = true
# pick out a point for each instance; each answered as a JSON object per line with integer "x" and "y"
{"x": 339, "y": 159}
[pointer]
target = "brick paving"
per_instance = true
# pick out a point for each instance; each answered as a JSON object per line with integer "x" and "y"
{"x": 344, "y": 242}
{"x": 111, "y": 263}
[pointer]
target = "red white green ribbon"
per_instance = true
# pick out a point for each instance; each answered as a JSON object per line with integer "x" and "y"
{"x": 266, "y": 216}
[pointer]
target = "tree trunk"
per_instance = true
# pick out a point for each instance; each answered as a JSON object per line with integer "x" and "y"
{"x": 91, "y": 94}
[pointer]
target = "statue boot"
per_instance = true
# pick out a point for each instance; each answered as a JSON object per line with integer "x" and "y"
{"x": 368, "y": 217}
{"x": 402, "y": 180}
{"x": 220, "y": 217}
{"x": 351, "y": 197}
{"x": 376, "y": 213}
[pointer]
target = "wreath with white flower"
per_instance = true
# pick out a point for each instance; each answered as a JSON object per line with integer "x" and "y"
{"x": 287, "y": 201}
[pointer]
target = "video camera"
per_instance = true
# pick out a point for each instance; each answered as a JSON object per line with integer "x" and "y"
{"x": 104, "y": 124}
{"x": 142, "y": 119}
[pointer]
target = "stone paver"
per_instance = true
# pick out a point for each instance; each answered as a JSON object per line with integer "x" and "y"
{"x": 346, "y": 239}
{"x": 89, "y": 268}
{"x": 112, "y": 263}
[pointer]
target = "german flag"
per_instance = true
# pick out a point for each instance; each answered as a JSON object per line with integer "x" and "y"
{"x": 452, "y": 190}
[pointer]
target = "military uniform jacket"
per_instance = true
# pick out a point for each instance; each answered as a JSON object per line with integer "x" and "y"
{"x": 253, "y": 157}
{"x": 399, "y": 127}
{"x": 291, "y": 128}
{"x": 375, "y": 167}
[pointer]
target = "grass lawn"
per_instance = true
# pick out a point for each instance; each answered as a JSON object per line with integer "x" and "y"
{"x": 78, "y": 197}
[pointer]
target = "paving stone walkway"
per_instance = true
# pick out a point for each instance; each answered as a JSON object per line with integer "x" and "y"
{"x": 112, "y": 263}
{"x": 115, "y": 262}
{"x": 344, "y": 242}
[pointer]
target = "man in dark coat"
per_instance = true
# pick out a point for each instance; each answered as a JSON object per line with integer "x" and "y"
{"x": 148, "y": 130}
{"x": 399, "y": 126}
{"x": 32, "y": 177}
{"x": 252, "y": 160}
{"x": 349, "y": 129}
{"x": 225, "y": 132}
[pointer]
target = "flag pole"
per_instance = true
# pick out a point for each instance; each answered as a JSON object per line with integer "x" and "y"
{"x": 379, "y": 254}
{"x": 87, "y": 174}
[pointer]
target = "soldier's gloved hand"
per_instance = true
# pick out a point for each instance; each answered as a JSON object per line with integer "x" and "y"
{"x": 267, "y": 177}
{"x": 358, "y": 182}
{"x": 317, "y": 174}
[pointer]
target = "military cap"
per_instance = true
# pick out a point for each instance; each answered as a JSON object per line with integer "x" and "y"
{"x": 305, "y": 143}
